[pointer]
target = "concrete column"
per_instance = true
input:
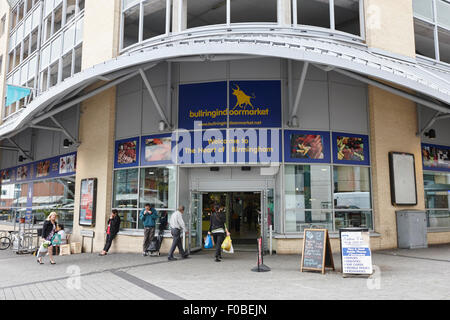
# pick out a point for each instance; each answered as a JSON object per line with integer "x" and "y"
{"x": 393, "y": 120}
{"x": 97, "y": 120}
{"x": 179, "y": 15}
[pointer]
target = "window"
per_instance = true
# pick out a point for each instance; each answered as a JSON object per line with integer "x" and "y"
{"x": 313, "y": 13}
{"x": 131, "y": 26}
{"x": 133, "y": 188}
{"x": 346, "y": 16}
{"x": 206, "y": 12}
{"x": 253, "y": 11}
{"x": 432, "y": 29}
{"x": 154, "y": 19}
{"x": 308, "y": 197}
{"x": 2, "y": 25}
{"x": 437, "y": 198}
{"x": 312, "y": 200}
{"x": 70, "y": 10}
{"x": 351, "y": 196}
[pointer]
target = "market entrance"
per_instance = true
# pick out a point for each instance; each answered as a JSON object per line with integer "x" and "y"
{"x": 243, "y": 211}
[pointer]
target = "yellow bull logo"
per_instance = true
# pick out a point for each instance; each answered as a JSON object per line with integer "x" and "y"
{"x": 243, "y": 100}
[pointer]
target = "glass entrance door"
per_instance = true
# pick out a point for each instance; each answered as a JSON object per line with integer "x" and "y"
{"x": 194, "y": 242}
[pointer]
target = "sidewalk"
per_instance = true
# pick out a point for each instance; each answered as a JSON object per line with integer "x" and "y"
{"x": 400, "y": 274}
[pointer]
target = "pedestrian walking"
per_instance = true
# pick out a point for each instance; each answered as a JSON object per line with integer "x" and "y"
{"x": 177, "y": 226}
{"x": 218, "y": 229}
{"x": 111, "y": 231}
{"x": 148, "y": 217}
{"x": 48, "y": 231}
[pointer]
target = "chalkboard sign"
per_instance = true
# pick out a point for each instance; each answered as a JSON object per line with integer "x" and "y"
{"x": 316, "y": 253}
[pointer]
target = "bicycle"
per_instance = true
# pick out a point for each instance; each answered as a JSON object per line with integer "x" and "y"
{"x": 23, "y": 241}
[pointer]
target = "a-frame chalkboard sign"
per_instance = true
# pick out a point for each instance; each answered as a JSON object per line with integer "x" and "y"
{"x": 316, "y": 253}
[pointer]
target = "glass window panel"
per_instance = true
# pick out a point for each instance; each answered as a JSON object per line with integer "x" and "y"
{"x": 313, "y": 13}
{"x": 26, "y": 48}
{"x": 36, "y": 17}
{"x": 346, "y": 16}
{"x": 437, "y": 190}
{"x": 57, "y": 2}
{"x": 424, "y": 38}
{"x": 154, "y": 18}
{"x": 444, "y": 45}
{"x": 128, "y": 219}
{"x": 47, "y": 28}
{"x": 253, "y": 11}
{"x": 54, "y": 74}
{"x": 351, "y": 187}
{"x": 48, "y": 6}
{"x": 32, "y": 67}
{"x": 443, "y": 13}
{"x": 70, "y": 10}
{"x": 57, "y": 21}
{"x": 12, "y": 41}
{"x": 28, "y": 25}
{"x": 45, "y": 57}
{"x": 438, "y": 218}
{"x": 206, "y": 12}
{"x": 127, "y": 3}
{"x": 131, "y": 26}
{"x": 67, "y": 66}
{"x": 34, "y": 37}
{"x": 423, "y": 8}
{"x": 125, "y": 189}
{"x": 16, "y": 77}
{"x": 20, "y": 195}
{"x": 56, "y": 49}
{"x": 19, "y": 33}
{"x": 44, "y": 80}
{"x": 69, "y": 38}
{"x": 353, "y": 219}
{"x": 81, "y": 5}
{"x": 24, "y": 74}
{"x": 79, "y": 32}
{"x": 7, "y": 212}
{"x": 157, "y": 187}
{"x": 78, "y": 56}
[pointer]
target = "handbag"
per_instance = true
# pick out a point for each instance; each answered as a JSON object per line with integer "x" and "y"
{"x": 208, "y": 242}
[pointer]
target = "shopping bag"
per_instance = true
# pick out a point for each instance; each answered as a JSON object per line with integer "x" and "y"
{"x": 226, "y": 244}
{"x": 208, "y": 242}
{"x": 231, "y": 250}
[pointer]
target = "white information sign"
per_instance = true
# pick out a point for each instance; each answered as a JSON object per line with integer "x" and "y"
{"x": 356, "y": 254}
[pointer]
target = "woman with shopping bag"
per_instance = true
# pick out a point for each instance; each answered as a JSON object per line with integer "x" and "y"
{"x": 48, "y": 230}
{"x": 218, "y": 229}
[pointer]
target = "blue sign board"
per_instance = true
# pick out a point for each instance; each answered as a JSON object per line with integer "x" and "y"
{"x": 157, "y": 149}
{"x": 255, "y": 104}
{"x": 205, "y": 102}
{"x": 60, "y": 166}
{"x": 435, "y": 157}
{"x": 248, "y": 104}
{"x": 350, "y": 148}
{"x": 307, "y": 146}
{"x": 126, "y": 153}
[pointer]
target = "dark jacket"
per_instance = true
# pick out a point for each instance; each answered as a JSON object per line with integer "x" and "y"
{"x": 115, "y": 225}
{"x": 47, "y": 228}
{"x": 217, "y": 220}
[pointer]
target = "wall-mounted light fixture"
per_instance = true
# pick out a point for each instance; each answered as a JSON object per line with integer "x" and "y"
{"x": 67, "y": 143}
{"x": 431, "y": 134}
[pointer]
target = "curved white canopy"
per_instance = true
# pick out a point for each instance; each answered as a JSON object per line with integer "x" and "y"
{"x": 431, "y": 82}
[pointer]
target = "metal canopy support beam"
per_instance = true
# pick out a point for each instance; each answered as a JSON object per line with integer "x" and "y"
{"x": 72, "y": 138}
{"x": 153, "y": 96}
{"x": 85, "y": 97}
{"x": 24, "y": 153}
{"x": 8, "y": 148}
{"x": 300, "y": 89}
{"x": 45, "y": 128}
{"x": 429, "y": 123}
{"x": 427, "y": 103}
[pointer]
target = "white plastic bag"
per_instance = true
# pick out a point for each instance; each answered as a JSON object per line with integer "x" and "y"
{"x": 231, "y": 250}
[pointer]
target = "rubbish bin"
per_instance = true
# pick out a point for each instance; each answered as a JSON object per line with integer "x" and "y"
{"x": 411, "y": 229}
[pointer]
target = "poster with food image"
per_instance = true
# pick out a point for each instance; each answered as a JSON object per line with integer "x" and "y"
{"x": 43, "y": 169}
{"x": 436, "y": 157}
{"x": 67, "y": 164}
{"x": 351, "y": 148}
{"x": 307, "y": 146}
{"x": 158, "y": 149}
{"x": 126, "y": 153}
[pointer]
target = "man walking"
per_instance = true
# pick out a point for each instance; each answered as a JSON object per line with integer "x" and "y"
{"x": 148, "y": 217}
{"x": 176, "y": 227}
